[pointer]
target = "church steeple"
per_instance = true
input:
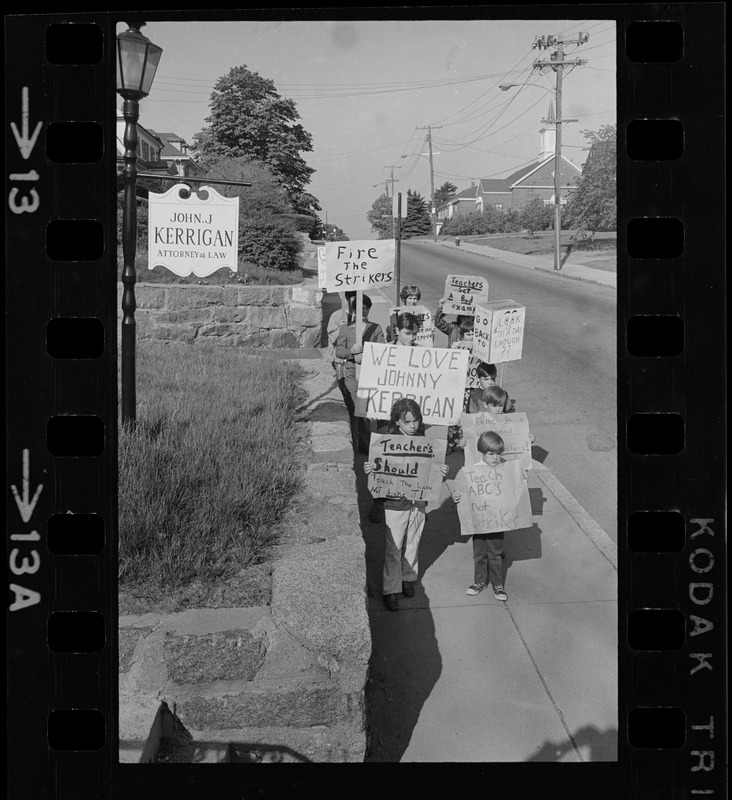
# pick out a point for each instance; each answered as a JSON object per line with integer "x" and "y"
{"x": 548, "y": 134}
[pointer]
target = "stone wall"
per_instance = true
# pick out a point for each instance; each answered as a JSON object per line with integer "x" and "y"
{"x": 283, "y": 682}
{"x": 238, "y": 315}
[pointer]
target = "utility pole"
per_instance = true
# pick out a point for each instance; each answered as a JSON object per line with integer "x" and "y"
{"x": 391, "y": 180}
{"x": 558, "y": 63}
{"x": 433, "y": 211}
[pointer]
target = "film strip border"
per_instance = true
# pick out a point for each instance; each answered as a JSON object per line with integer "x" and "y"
{"x": 62, "y": 408}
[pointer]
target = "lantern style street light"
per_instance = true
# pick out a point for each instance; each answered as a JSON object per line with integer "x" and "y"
{"x": 137, "y": 62}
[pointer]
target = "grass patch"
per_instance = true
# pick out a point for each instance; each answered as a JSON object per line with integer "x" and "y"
{"x": 210, "y": 468}
{"x": 543, "y": 243}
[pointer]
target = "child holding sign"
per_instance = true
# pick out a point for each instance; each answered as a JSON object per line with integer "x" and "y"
{"x": 410, "y": 296}
{"x": 487, "y": 547}
{"x": 453, "y": 330}
{"x": 404, "y": 518}
{"x": 486, "y": 378}
{"x": 349, "y": 351}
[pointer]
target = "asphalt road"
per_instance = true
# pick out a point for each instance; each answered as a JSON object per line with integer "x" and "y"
{"x": 566, "y": 378}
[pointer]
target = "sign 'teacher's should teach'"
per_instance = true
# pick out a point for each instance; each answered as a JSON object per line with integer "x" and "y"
{"x": 193, "y": 235}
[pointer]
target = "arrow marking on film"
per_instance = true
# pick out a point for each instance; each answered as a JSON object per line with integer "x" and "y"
{"x": 25, "y": 504}
{"x": 25, "y": 143}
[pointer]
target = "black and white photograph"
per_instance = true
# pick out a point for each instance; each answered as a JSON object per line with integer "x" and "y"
{"x": 332, "y": 549}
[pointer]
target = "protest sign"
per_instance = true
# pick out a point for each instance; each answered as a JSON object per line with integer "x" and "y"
{"x": 359, "y": 265}
{"x": 493, "y": 499}
{"x": 471, "y": 379}
{"x": 498, "y": 333}
{"x": 426, "y": 335}
{"x": 406, "y": 466}
{"x": 198, "y": 234}
{"x": 321, "y": 268}
{"x": 463, "y": 293}
{"x": 432, "y": 376}
{"x": 512, "y": 428}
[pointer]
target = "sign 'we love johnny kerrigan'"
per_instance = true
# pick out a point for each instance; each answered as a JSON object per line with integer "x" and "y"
{"x": 434, "y": 377}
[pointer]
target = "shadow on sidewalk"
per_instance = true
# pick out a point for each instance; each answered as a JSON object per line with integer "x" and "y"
{"x": 405, "y": 660}
{"x": 595, "y": 745}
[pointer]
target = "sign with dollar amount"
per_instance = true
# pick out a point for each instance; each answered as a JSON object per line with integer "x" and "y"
{"x": 498, "y": 333}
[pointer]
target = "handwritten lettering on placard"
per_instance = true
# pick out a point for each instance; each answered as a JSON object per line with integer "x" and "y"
{"x": 432, "y": 376}
{"x": 406, "y": 466}
{"x": 463, "y": 293}
{"x": 426, "y": 334}
{"x": 512, "y": 428}
{"x": 498, "y": 332}
{"x": 353, "y": 266}
{"x": 493, "y": 499}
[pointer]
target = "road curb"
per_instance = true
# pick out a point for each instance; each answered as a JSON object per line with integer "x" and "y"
{"x": 552, "y": 271}
{"x": 599, "y": 538}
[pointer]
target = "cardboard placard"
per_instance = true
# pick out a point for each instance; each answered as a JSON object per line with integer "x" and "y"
{"x": 493, "y": 499}
{"x": 512, "y": 428}
{"x": 359, "y": 265}
{"x": 426, "y": 335}
{"x": 498, "y": 333}
{"x": 432, "y": 376}
{"x": 406, "y": 466}
{"x": 463, "y": 293}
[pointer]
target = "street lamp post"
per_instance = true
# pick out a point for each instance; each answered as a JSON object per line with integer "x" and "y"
{"x": 137, "y": 62}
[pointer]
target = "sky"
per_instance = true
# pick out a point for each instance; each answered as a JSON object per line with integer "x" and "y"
{"x": 366, "y": 91}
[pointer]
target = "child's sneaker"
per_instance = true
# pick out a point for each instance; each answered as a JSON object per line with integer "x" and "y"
{"x": 475, "y": 588}
{"x": 500, "y": 593}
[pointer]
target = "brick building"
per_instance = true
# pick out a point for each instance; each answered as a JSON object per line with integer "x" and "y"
{"x": 535, "y": 179}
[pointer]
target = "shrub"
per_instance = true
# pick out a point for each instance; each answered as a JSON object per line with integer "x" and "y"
{"x": 269, "y": 244}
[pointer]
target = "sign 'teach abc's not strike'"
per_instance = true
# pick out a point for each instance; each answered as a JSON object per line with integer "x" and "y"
{"x": 359, "y": 265}
{"x": 498, "y": 332}
{"x": 198, "y": 234}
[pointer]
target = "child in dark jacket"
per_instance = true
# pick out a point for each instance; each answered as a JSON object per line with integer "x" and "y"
{"x": 350, "y": 353}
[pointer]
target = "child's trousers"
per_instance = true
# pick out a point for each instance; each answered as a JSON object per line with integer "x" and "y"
{"x": 487, "y": 558}
{"x": 403, "y": 531}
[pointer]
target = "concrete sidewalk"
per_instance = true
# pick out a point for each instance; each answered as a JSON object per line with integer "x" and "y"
{"x": 578, "y": 266}
{"x": 459, "y": 678}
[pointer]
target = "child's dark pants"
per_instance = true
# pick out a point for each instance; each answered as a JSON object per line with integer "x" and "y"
{"x": 487, "y": 552}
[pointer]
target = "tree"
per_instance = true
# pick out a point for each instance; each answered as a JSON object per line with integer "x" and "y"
{"x": 267, "y": 224}
{"x": 249, "y": 118}
{"x": 446, "y": 192}
{"x": 536, "y": 216}
{"x": 594, "y": 204}
{"x": 380, "y": 217}
{"x": 417, "y": 222}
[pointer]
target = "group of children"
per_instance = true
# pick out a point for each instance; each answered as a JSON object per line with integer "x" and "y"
{"x": 405, "y": 518}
